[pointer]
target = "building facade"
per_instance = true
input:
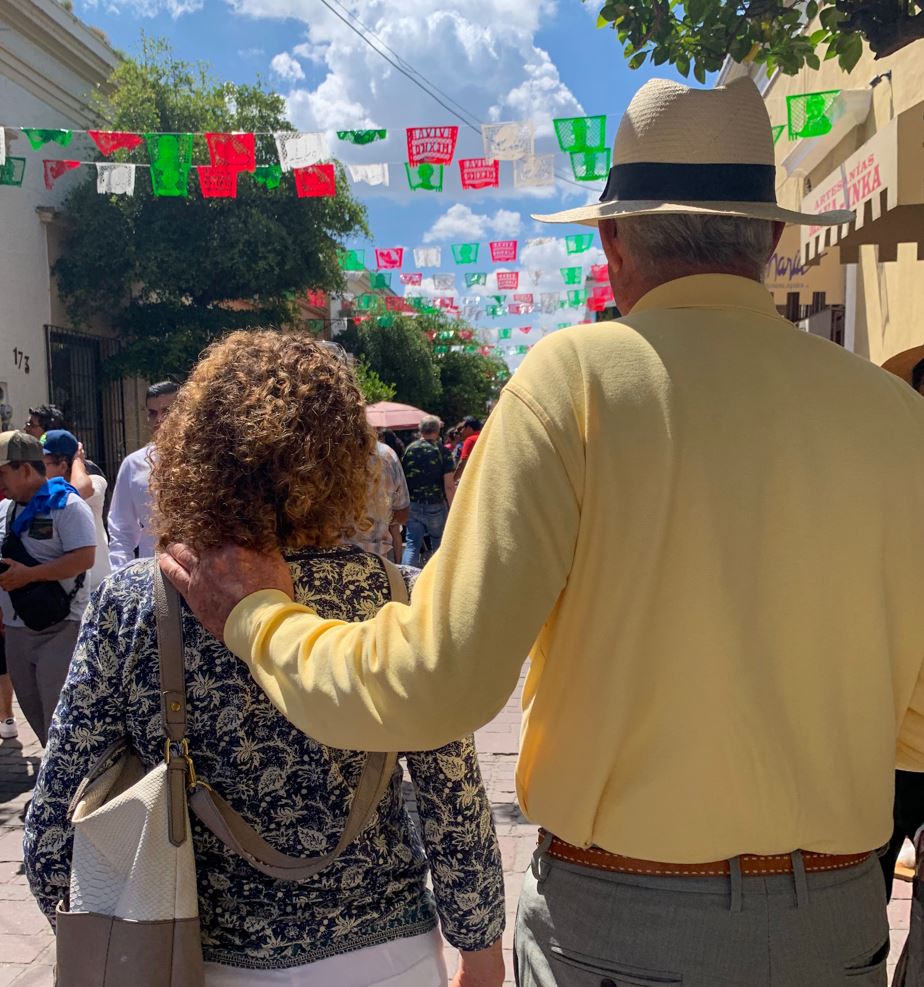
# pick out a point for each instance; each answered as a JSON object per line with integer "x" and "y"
{"x": 50, "y": 66}
{"x": 858, "y": 143}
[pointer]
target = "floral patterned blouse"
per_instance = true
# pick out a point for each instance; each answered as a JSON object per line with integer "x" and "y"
{"x": 293, "y": 790}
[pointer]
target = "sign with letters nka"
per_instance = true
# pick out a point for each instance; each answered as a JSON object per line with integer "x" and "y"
{"x": 431, "y": 145}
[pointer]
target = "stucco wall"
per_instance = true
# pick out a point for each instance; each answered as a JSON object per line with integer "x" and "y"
{"x": 24, "y": 283}
{"x": 50, "y": 62}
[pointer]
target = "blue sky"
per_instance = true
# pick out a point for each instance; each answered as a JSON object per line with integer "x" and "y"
{"x": 500, "y": 59}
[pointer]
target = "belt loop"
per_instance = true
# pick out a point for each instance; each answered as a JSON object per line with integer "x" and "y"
{"x": 737, "y": 884}
{"x": 801, "y": 882}
{"x": 544, "y": 843}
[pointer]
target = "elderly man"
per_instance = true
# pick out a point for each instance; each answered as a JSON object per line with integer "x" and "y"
{"x": 428, "y": 469}
{"x": 705, "y": 527}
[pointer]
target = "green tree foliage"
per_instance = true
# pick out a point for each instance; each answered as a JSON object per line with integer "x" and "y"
{"x": 401, "y": 355}
{"x": 697, "y": 35}
{"x": 469, "y": 381}
{"x": 373, "y": 387}
{"x": 420, "y": 357}
{"x": 179, "y": 272}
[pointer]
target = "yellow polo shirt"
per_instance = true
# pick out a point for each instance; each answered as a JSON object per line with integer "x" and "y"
{"x": 707, "y": 530}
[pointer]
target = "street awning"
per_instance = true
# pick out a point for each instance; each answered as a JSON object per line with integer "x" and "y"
{"x": 390, "y": 414}
{"x": 884, "y": 182}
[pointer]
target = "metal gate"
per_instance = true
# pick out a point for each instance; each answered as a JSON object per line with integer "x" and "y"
{"x": 92, "y": 404}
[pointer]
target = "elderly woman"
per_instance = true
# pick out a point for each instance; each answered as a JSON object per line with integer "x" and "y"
{"x": 267, "y": 445}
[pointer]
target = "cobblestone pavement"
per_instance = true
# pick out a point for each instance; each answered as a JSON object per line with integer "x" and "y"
{"x": 26, "y": 943}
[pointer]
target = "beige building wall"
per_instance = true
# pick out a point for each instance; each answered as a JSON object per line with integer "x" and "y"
{"x": 884, "y": 300}
{"x": 50, "y": 64}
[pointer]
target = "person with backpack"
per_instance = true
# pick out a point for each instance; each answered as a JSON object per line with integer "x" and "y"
{"x": 48, "y": 546}
{"x": 428, "y": 469}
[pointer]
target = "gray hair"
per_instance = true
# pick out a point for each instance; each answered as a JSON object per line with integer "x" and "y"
{"x": 697, "y": 240}
{"x": 430, "y": 424}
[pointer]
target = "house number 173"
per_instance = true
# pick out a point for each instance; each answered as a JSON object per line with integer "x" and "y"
{"x": 21, "y": 360}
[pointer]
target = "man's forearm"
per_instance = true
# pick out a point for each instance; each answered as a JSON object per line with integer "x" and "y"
{"x": 417, "y": 677}
{"x": 66, "y": 566}
{"x": 80, "y": 479}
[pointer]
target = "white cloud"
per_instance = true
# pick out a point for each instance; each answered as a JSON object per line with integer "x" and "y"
{"x": 251, "y": 52}
{"x": 310, "y": 52}
{"x": 483, "y": 55}
{"x": 286, "y": 67}
{"x": 461, "y": 224}
{"x": 149, "y": 8}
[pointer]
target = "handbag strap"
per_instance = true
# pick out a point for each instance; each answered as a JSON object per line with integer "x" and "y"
{"x": 396, "y": 584}
{"x": 169, "y": 620}
{"x": 168, "y": 616}
{"x": 212, "y": 810}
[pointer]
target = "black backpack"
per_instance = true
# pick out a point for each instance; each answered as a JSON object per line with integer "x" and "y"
{"x": 38, "y": 605}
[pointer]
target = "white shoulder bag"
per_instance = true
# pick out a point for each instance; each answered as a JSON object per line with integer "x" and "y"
{"x": 132, "y": 917}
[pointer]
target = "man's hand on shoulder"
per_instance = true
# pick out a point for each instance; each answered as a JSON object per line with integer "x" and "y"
{"x": 214, "y": 583}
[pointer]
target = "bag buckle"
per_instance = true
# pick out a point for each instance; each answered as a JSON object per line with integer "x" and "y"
{"x": 169, "y": 754}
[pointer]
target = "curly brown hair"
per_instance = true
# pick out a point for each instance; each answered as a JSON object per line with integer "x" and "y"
{"x": 266, "y": 446}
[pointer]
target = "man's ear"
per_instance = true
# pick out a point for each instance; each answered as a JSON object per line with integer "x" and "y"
{"x": 777, "y": 233}
{"x": 611, "y": 245}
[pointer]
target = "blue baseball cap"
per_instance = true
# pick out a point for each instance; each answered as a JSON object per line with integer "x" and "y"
{"x": 59, "y": 442}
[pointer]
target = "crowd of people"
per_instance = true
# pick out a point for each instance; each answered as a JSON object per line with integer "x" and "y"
{"x": 407, "y": 503}
{"x": 53, "y": 529}
{"x": 714, "y": 572}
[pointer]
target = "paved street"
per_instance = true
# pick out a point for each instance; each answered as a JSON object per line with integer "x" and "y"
{"x": 26, "y": 944}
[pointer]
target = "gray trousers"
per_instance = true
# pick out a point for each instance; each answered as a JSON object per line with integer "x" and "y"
{"x": 38, "y": 662}
{"x": 580, "y": 927}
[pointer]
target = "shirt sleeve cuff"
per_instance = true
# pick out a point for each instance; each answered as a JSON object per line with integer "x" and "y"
{"x": 243, "y": 623}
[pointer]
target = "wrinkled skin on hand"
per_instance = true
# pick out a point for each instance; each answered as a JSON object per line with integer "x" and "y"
{"x": 215, "y": 582}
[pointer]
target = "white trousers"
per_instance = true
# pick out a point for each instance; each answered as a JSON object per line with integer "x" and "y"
{"x": 413, "y": 962}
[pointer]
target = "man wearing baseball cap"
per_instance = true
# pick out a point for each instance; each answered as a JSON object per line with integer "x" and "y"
{"x": 48, "y": 538}
{"x": 705, "y": 526}
{"x": 65, "y": 457}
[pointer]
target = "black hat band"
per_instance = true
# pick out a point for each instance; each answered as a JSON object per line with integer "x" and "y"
{"x": 669, "y": 182}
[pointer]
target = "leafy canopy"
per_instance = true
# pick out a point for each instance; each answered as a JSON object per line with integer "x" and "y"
{"x": 697, "y": 35}
{"x": 175, "y": 273}
{"x": 403, "y": 356}
{"x": 373, "y": 387}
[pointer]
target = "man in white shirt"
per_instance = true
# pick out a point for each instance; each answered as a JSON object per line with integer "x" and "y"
{"x": 130, "y": 510}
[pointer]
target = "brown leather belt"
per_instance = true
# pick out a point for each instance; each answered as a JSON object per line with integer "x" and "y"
{"x": 752, "y": 864}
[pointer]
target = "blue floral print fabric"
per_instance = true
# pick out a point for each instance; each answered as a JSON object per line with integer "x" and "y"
{"x": 294, "y": 791}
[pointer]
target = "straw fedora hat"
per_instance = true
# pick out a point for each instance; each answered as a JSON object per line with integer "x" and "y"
{"x": 683, "y": 150}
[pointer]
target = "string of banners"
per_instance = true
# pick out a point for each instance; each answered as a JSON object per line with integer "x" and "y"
{"x": 307, "y": 157}
{"x": 501, "y": 252}
{"x": 363, "y": 305}
{"x": 389, "y": 260}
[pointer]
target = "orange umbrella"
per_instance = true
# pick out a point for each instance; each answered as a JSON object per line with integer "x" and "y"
{"x": 903, "y": 363}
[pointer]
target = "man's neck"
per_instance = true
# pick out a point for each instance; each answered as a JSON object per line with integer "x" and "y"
{"x": 33, "y": 490}
{"x": 628, "y": 294}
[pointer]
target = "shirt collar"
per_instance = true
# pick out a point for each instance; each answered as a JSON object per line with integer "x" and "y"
{"x": 710, "y": 291}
